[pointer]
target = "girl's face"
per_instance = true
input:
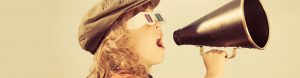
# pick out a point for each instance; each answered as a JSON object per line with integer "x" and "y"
{"x": 148, "y": 42}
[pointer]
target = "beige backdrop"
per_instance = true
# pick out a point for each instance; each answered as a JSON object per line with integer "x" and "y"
{"x": 38, "y": 39}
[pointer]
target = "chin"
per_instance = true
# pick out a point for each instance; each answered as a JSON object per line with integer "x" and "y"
{"x": 157, "y": 60}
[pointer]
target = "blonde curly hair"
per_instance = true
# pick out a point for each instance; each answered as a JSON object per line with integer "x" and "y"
{"x": 116, "y": 52}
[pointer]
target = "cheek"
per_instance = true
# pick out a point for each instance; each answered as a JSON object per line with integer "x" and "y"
{"x": 148, "y": 50}
{"x": 146, "y": 46}
{"x": 145, "y": 43}
{"x": 146, "y": 39}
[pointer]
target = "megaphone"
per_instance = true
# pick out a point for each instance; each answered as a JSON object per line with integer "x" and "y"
{"x": 239, "y": 23}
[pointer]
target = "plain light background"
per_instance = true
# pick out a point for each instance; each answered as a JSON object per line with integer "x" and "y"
{"x": 38, "y": 39}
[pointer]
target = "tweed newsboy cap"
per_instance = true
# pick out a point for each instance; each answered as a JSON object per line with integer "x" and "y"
{"x": 96, "y": 23}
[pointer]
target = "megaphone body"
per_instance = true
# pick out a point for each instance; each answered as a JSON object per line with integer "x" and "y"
{"x": 240, "y": 23}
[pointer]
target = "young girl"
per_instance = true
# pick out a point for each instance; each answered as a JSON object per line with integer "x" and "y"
{"x": 123, "y": 50}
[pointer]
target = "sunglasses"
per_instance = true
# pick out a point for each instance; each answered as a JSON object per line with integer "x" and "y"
{"x": 145, "y": 18}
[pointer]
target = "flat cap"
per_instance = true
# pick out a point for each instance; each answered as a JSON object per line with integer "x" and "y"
{"x": 96, "y": 23}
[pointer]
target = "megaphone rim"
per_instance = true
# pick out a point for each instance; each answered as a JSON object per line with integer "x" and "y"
{"x": 245, "y": 26}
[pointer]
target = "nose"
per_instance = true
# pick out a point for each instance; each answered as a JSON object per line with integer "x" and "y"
{"x": 158, "y": 28}
{"x": 157, "y": 24}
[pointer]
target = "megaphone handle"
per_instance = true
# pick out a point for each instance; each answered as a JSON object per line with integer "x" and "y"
{"x": 232, "y": 55}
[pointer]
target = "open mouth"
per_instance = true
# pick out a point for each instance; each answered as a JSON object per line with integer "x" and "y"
{"x": 159, "y": 43}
